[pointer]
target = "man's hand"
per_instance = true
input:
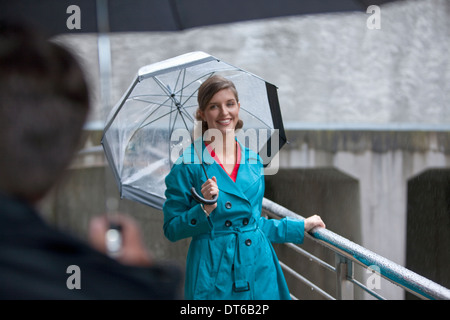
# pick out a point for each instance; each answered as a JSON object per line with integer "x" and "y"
{"x": 132, "y": 251}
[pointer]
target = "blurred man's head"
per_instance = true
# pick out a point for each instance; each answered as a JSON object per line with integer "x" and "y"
{"x": 44, "y": 102}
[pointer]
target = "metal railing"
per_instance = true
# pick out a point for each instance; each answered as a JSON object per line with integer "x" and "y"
{"x": 348, "y": 254}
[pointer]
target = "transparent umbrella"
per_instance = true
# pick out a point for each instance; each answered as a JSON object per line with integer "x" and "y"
{"x": 151, "y": 125}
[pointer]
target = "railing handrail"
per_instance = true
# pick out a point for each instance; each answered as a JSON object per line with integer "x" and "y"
{"x": 392, "y": 271}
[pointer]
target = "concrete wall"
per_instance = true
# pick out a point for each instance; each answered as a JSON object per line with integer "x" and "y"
{"x": 428, "y": 225}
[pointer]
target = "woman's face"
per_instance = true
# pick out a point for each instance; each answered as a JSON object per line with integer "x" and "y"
{"x": 222, "y": 111}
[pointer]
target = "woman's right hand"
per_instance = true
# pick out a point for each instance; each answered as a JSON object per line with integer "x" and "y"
{"x": 209, "y": 189}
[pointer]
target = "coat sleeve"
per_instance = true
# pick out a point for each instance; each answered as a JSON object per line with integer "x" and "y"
{"x": 182, "y": 218}
{"x": 283, "y": 230}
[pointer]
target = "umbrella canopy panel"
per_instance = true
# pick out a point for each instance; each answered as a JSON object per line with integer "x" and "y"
{"x": 154, "y": 121}
{"x": 55, "y": 16}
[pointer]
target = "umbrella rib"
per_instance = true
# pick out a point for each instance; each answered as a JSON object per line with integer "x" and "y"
{"x": 161, "y": 85}
{"x": 187, "y": 115}
{"x": 148, "y": 95}
{"x": 178, "y": 78}
{"x": 179, "y": 105}
{"x": 196, "y": 90}
{"x": 160, "y": 117}
{"x": 172, "y": 124}
{"x": 182, "y": 85}
{"x": 160, "y": 104}
{"x": 252, "y": 114}
{"x": 140, "y": 125}
{"x": 170, "y": 97}
{"x": 171, "y": 94}
{"x": 206, "y": 75}
{"x": 182, "y": 118}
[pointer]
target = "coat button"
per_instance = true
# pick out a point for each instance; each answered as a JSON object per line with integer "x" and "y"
{"x": 228, "y": 223}
{"x": 193, "y": 222}
{"x": 248, "y": 242}
{"x": 245, "y": 221}
{"x": 228, "y": 205}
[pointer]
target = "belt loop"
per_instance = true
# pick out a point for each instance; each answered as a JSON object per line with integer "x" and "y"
{"x": 240, "y": 283}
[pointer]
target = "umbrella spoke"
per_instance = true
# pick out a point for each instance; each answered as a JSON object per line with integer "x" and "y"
{"x": 159, "y": 104}
{"x": 141, "y": 99}
{"x": 196, "y": 90}
{"x": 162, "y": 86}
{"x": 154, "y": 120}
{"x": 178, "y": 78}
{"x": 172, "y": 123}
{"x": 256, "y": 117}
{"x": 148, "y": 95}
{"x": 190, "y": 106}
{"x": 141, "y": 126}
{"x": 187, "y": 115}
{"x": 151, "y": 113}
{"x": 182, "y": 85}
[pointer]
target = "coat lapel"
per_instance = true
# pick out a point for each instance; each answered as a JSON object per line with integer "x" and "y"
{"x": 249, "y": 169}
{"x": 246, "y": 177}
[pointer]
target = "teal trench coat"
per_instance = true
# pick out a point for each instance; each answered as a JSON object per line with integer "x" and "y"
{"x": 230, "y": 255}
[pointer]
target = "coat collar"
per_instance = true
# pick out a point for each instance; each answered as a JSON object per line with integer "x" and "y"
{"x": 250, "y": 168}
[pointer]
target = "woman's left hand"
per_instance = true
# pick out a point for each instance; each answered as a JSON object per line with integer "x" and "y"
{"x": 313, "y": 222}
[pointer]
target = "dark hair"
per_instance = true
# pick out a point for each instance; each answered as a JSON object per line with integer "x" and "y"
{"x": 44, "y": 103}
{"x": 207, "y": 90}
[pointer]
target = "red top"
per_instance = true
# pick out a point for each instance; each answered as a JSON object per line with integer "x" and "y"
{"x": 233, "y": 174}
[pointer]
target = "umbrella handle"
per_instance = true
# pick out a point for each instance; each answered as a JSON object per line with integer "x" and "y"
{"x": 199, "y": 198}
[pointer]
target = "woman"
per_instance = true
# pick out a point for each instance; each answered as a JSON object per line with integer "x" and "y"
{"x": 230, "y": 255}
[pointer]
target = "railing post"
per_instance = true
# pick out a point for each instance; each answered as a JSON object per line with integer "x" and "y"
{"x": 344, "y": 271}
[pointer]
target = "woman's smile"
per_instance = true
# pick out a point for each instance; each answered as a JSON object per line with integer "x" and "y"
{"x": 224, "y": 122}
{"x": 222, "y": 112}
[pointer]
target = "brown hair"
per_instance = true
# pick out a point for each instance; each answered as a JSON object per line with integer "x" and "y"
{"x": 207, "y": 90}
{"x": 44, "y": 102}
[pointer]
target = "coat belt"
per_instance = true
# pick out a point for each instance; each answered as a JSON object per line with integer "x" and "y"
{"x": 241, "y": 282}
